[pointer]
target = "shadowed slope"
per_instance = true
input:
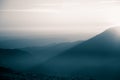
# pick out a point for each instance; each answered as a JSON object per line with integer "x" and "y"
{"x": 104, "y": 44}
{"x": 93, "y": 57}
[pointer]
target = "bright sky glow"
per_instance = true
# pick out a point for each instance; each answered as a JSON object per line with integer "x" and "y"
{"x": 58, "y": 17}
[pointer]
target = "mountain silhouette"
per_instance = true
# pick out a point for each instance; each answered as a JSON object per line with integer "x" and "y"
{"x": 45, "y": 52}
{"x": 14, "y": 58}
{"x": 104, "y": 43}
{"x": 21, "y": 42}
{"x": 98, "y": 55}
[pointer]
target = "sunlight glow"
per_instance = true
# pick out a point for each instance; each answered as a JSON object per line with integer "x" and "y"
{"x": 69, "y": 16}
{"x": 113, "y": 15}
{"x": 117, "y": 30}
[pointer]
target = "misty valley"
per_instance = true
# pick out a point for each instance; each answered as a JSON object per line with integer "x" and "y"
{"x": 97, "y": 58}
{"x": 59, "y": 39}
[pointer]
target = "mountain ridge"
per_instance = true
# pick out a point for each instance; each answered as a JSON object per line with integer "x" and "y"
{"x": 95, "y": 54}
{"x": 105, "y": 42}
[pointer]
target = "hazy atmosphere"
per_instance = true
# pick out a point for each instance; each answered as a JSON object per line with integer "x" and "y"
{"x": 59, "y": 39}
{"x": 81, "y": 19}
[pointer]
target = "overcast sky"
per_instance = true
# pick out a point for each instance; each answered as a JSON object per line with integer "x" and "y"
{"x": 79, "y": 18}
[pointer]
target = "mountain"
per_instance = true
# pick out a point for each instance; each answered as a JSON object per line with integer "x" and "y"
{"x": 21, "y": 42}
{"x": 52, "y": 48}
{"x": 105, "y": 43}
{"x": 98, "y": 57}
{"x": 43, "y": 53}
{"x": 102, "y": 44}
{"x": 11, "y": 53}
{"x": 14, "y": 58}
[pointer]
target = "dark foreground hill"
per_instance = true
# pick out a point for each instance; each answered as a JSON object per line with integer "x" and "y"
{"x": 8, "y": 74}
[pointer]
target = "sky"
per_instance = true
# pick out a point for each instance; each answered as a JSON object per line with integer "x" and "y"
{"x": 71, "y": 19}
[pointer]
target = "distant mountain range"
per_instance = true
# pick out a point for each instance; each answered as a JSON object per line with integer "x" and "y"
{"x": 50, "y": 50}
{"x": 92, "y": 57}
{"x": 31, "y": 56}
{"x": 97, "y": 57}
{"x": 21, "y": 42}
{"x": 14, "y": 58}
